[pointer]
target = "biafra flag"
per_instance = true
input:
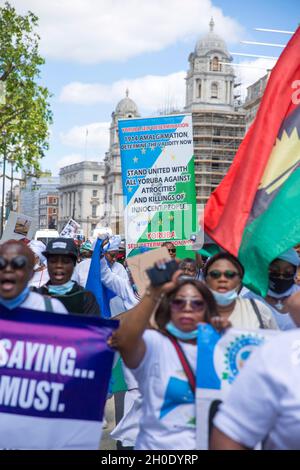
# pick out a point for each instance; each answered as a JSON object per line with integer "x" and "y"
{"x": 255, "y": 211}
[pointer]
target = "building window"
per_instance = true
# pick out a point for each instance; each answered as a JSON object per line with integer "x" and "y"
{"x": 95, "y": 177}
{"x": 199, "y": 90}
{"x": 94, "y": 210}
{"x": 214, "y": 90}
{"x": 215, "y": 66}
{"x": 94, "y": 226}
{"x": 95, "y": 192}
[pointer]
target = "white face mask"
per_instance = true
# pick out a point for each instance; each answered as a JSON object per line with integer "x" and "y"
{"x": 224, "y": 298}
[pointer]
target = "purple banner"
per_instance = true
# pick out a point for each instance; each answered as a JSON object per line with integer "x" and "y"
{"x": 54, "y": 366}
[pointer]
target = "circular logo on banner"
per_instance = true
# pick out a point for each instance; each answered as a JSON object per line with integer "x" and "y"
{"x": 231, "y": 353}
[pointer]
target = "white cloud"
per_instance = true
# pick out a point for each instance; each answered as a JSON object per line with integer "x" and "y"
{"x": 92, "y": 138}
{"x": 92, "y": 31}
{"x": 151, "y": 92}
{"x": 252, "y": 70}
{"x": 69, "y": 160}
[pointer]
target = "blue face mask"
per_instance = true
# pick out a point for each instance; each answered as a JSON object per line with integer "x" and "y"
{"x": 174, "y": 331}
{"x": 224, "y": 298}
{"x": 17, "y": 301}
{"x": 62, "y": 289}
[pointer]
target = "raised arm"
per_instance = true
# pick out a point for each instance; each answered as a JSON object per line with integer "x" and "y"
{"x": 118, "y": 284}
{"x": 128, "y": 338}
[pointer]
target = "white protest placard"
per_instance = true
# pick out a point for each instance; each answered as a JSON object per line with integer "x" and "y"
{"x": 70, "y": 229}
{"x": 19, "y": 226}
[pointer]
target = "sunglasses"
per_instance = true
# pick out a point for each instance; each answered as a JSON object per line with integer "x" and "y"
{"x": 278, "y": 275}
{"x": 215, "y": 274}
{"x": 180, "y": 304}
{"x": 172, "y": 250}
{"x": 113, "y": 255}
{"x": 18, "y": 262}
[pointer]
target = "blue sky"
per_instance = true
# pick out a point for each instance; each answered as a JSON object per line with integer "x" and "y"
{"x": 94, "y": 49}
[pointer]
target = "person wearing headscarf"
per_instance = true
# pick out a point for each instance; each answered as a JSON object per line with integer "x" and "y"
{"x": 282, "y": 273}
{"x": 40, "y": 272}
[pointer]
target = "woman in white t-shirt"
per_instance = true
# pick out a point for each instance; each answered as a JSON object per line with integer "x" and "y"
{"x": 223, "y": 275}
{"x": 168, "y": 395}
{"x": 263, "y": 405}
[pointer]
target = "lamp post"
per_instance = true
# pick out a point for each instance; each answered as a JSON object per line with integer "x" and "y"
{"x": 3, "y": 181}
{"x": 3, "y": 102}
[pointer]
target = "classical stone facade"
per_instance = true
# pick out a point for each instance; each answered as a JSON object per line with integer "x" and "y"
{"x": 218, "y": 123}
{"x": 81, "y": 195}
{"x": 113, "y": 200}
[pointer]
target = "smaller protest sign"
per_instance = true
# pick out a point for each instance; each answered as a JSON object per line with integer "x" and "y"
{"x": 139, "y": 263}
{"x": 18, "y": 226}
{"x": 70, "y": 229}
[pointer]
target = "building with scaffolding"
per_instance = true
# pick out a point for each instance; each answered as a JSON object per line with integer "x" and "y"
{"x": 218, "y": 118}
{"x": 253, "y": 98}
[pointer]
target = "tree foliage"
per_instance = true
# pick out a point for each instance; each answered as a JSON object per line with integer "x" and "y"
{"x": 26, "y": 115}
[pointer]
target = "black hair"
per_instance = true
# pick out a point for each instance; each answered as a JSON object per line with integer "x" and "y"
{"x": 163, "y": 314}
{"x": 226, "y": 256}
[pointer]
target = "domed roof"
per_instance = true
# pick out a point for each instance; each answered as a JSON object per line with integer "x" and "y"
{"x": 126, "y": 106}
{"x": 210, "y": 42}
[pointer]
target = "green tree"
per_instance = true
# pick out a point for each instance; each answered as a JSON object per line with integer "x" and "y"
{"x": 26, "y": 115}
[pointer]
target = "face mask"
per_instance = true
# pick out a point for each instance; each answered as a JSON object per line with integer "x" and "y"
{"x": 62, "y": 289}
{"x": 224, "y": 298}
{"x": 174, "y": 331}
{"x": 17, "y": 301}
{"x": 280, "y": 286}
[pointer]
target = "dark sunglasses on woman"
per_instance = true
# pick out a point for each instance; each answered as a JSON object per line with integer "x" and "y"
{"x": 215, "y": 274}
{"x": 18, "y": 262}
{"x": 180, "y": 304}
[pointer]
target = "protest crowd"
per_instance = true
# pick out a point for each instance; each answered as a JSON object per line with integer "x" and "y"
{"x": 198, "y": 345}
{"x": 157, "y": 335}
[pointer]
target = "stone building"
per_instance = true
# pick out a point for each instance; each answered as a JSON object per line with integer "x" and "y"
{"x": 81, "y": 191}
{"x": 113, "y": 198}
{"x": 218, "y": 122}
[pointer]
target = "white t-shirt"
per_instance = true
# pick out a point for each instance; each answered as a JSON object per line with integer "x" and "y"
{"x": 116, "y": 279}
{"x": 36, "y": 301}
{"x": 168, "y": 419}
{"x": 264, "y": 402}
{"x": 81, "y": 272}
{"x": 283, "y": 320}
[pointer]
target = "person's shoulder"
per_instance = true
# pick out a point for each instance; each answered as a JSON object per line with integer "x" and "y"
{"x": 76, "y": 288}
{"x": 58, "y": 306}
{"x": 119, "y": 267}
{"x": 281, "y": 348}
{"x": 84, "y": 263}
{"x": 152, "y": 335}
{"x": 263, "y": 308}
{"x": 35, "y": 296}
